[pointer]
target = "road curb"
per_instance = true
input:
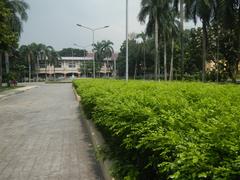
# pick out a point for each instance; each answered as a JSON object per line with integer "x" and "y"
{"x": 96, "y": 138}
{"x": 16, "y": 91}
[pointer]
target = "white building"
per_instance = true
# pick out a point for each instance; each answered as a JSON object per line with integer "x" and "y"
{"x": 76, "y": 67}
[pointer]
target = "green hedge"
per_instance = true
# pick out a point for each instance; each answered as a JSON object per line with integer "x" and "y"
{"x": 167, "y": 130}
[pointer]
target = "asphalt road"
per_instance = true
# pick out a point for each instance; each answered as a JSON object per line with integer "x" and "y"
{"x": 42, "y": 137}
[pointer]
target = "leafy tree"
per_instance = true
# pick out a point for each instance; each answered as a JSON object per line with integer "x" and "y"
{"x": 143, "y": 45}
{"x": 228, "y": 14}
{"x": 7, "y": 36}
{"x": 13, "y": 13}
{"x": 133, "y": 57}
{"x": 69, "y": 52}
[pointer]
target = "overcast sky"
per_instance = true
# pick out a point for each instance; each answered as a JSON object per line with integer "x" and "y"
{"x": 53, "y": 22}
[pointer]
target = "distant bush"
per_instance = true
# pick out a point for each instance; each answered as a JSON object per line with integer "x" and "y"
{"x": 167, "y": 130}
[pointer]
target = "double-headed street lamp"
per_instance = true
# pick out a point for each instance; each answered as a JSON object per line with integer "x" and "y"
{"x": 85, "y": 54}
{"x": 93, "y": 36}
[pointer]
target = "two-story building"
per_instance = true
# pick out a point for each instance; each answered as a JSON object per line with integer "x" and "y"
{"x": 70, "y": 67}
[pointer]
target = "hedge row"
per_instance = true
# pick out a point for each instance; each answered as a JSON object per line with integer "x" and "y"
{"x": 167, "y": 130}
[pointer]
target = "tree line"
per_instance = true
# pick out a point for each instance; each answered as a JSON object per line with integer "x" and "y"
{"x": 168, "y": 50}
{"x": 12, "y": 15}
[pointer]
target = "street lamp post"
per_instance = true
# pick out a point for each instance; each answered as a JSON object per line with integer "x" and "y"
{"x": 93, "y": 41}
{"x": 127, "y": 40}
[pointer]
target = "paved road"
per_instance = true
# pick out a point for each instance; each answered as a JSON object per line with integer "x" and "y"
{"x": 42, "y": 137}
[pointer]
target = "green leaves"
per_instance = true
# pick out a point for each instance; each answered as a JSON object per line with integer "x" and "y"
{"x": 167, "y": 130}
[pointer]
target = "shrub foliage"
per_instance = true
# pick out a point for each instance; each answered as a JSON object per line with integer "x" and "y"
{"x": 167, "y": 130}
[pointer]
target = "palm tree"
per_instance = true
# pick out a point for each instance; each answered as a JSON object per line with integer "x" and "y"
{"x": 205, "y": 11}
{"x": 26, "y": 52}
{"x": 53, "y": 57}
{"x": 107, "y": 52}
{"x": 18, "y": 9}
{"x": 35, "y": 58}
{"x": 19, "y": 14}
{"x": 0, "y": 68}
{"x": 150, "y": 10}
{"x": 174, "y": 34}
{"x": 97, "y": 47}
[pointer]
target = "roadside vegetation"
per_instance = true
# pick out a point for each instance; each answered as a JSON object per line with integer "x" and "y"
{"x": 166, "y": 130}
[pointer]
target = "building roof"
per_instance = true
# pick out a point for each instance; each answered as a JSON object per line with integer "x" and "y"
{"x": 89, "y": 57}
{"x": 76, "y": 58}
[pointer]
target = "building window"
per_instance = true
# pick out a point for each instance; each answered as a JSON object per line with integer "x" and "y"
{"x": 71, "y": 65}
{"x": 42, "y": 65}
{"x": 58, "y": 65}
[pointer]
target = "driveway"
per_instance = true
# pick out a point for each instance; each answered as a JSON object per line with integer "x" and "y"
{"x": 42, "y": 137}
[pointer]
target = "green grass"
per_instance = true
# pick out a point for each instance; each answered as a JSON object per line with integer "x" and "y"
{"x": 165, "y": 130}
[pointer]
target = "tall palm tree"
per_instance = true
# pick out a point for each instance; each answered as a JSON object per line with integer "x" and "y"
{"x": 26, "y": 52}
{"x": 107, "y": 52}
{"x": 0, "y": 68}
{"x": 150, "y": 10}
{"x": 175, "y": 24}
{"x": 18, "y": 9}
{"x": 19, "y": 14}
{"x": 183, "y": 7}
{"x": 53, "y": 58}
{"x": 205, "y": 11}
{"x": 97, "y": 47}
{"x": 35, "y": 58}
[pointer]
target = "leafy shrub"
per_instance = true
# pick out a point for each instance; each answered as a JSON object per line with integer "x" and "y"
{"x": 167, "y": 130}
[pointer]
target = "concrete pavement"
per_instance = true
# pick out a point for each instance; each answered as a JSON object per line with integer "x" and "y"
{"x": 42, "y": 137}
{"x": 10, "y": 92}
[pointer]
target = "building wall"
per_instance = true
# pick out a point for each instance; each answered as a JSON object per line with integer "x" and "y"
{"x": 67, "y": 67}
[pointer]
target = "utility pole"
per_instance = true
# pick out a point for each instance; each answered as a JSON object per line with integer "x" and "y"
{"x": 126, "y": 40}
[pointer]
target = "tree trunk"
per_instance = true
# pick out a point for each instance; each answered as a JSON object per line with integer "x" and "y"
{"x": 144, "y": 61}
{"x": 115, "y": 68}
{"x": 204, "y": 48}
{"x": 135, "y": 70}
{"x": 85, "y": 71}
{"x": 217, "y": 56}
{"x": 45, "y": 68}
{"x": 171, "y": 65}
{"x": 165, "y": 57}
{"x": 0, "y": 68}
{"x": 181, "y": 36}
{"x": 6, "y": 61}
{"x": 54, "y": 74}
{"x": 29, "y": 68}
{"x": 108, "y": 69}
{"x": 233, "y": 72}
{"x": 37, "y": 69}
{"x": 156, "y": 49}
